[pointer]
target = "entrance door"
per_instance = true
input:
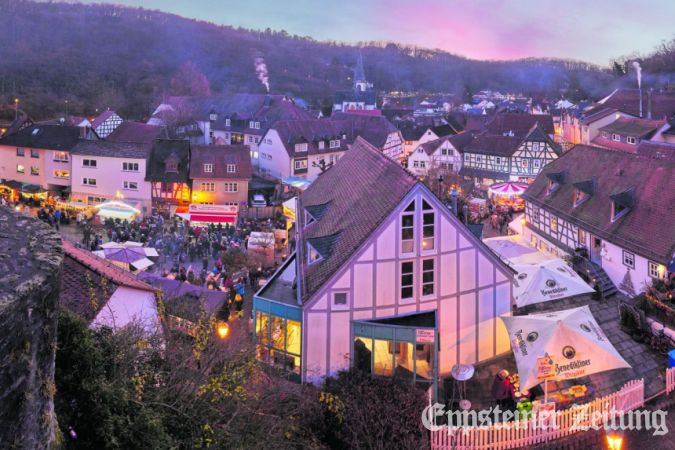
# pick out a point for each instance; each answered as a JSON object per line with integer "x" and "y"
{"x": 596, "y": 248}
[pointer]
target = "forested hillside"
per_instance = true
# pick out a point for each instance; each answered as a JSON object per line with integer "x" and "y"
{"x": 104, "y": 56}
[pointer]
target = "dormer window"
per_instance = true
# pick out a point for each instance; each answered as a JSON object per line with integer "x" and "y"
{"x": 335, "y": 143}
{"x": 631, "y": 140}
{"x": 227, "y": 122}
{"x": 622, "y": 203}
{"x": 579, "y": 197}
{"x": 321, "y": 145}
{"x": 208, "y": 168}
{"x": 552, "y": 187}
{"x": 616, "y": 137}
{"x": 213, "y": 117}
{"x": 618, "y": 211}
{"x": 171, "y": 166}
{"x": 312, "y": 255}
{"x": 302, "y": 147}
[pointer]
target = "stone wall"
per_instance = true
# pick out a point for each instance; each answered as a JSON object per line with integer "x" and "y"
{"x": 30, "y": 267}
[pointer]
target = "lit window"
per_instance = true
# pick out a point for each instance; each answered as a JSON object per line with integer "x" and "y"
{"x": 231, "y": 168}
{"x": 628, "y": 259}
{"x": 653, "y": 269}
{"x": 300, "y": 164}
{"x": 408, "y": 229}
{"x": 61, "y": 174}
{"x": 131, "y": 185}
{"x": 208, "y": 168}
{"x": 428, "y": 277}
{"x": 20, "y": 168}
{"x": 523, "y": 163}
{"x": 407, "y": 279}
{"x": 554, "y": 223}
{"x": 34, "y": 170}
{"x": 581, "y": 235}
{"x": 61, "y": 157}
{"x": 428, "y": 221}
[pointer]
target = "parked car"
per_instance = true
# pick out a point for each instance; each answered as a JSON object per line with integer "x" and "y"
{"x": 258, "y": 201}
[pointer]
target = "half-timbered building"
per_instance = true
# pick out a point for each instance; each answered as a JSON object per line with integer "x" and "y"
{"x": 616, "y": 205}
{"x": 444, "y": 155}
{"x": 377, "y": 131}
{"x": 501, "y": 157}
{"x": 384, "y": 278}
{"x": 105, "y": 123}
{"x": 168, "y": 171}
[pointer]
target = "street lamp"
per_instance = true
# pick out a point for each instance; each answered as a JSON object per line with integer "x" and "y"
{"x": 223, "y": 330}
{"x": 16, "y": 108}
{"x": 614, "y": 440}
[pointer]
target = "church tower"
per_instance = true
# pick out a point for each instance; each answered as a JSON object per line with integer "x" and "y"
{"x": 360, "y": 82}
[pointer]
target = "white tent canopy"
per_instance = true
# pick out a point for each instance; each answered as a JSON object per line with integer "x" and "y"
{"x": 571, "y": 340}
{"x": 546, "y": 281}
{"x": 514, "y": 250}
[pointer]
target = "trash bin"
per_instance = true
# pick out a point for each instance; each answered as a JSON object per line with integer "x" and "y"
{"x": 671, "y": 359}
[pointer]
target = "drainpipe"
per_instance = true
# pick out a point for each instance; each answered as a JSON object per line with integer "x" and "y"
{"x": 298, "y": 253}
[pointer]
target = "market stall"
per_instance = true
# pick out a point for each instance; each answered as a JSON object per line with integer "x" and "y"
{"x": 508, "y": 195}
{"x": 116, "y": 209}
{"x": 204, "y": 215}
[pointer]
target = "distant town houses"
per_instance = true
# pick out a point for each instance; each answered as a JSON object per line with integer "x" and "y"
{"x": 616, "y": 205}
{"x": 105, "y": 123}
{"x": 220, "y": 174}
{"x": 168, "y": 172}
{"x": 443, "y": 155}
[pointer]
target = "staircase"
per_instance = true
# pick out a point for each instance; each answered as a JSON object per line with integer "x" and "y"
{"x": 591, "y": 271}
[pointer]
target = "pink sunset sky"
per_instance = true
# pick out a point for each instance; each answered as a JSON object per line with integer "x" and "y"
{"x": 589, "y": 30}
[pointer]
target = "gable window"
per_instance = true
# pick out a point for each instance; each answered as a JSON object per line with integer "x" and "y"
{"x": 131, "y": 185}
{"x": 34, "y": 170}
{"x": 631, "y": 140}
{"x": 60, "y": 157}
{"x": 618, "y": 211}
{"x": 408, "y": 229}
{"x": 171, "y": 166}
{"x": 616, "y": 137}
{"x": 428, "y": 277}
{"x": 334, "y": 143}
{"x": 213, "y": 117}
{"x": 478, "y": 159}
{"x": 340, "y": 299}
{"x": 34, "y": 153}
{"x": 312, "y": 255}
{"x": 407, "y": 279}
{"x": 208, "y": 187}
{"x": 20, "y": 168}
{"x": 554, "y": 223}
{"x": 535, "y": 146}
{"x": 552, "y": 187}
{"x": 89, "y": 163}
{"x": 422, "y": 164}
{"x": 231, "y": 168}
{"x": 208, "y": 168}
{"x": 628, "y": 259}
{"x": 498, "y": 160}
{"x": 428, "y": 221}
{"x": 20, "y": 151}
{"x": 250, "y": 139}
{"x": 302, "y": 147}
{"x": 129, "y": 167}
{"x": 653, "y": 270}
{"x": 89, "y": 181}
{"x": 416, "y": 164}
{"x": 227, "y": 122}
{"x": 231, "y": 187}
{"x": 321, "y": 145}
{"x": 579, "y": 197}
{"x": 420, "y": 150}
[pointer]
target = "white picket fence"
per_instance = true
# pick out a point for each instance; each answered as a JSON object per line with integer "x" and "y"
{"x": 521, "y": 433}
{"x": 670, "y": 380}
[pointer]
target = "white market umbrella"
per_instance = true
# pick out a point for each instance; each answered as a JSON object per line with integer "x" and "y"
{"x": 142, "y": 264}
{"x": 571, "y": 339}
{"x": 508, "y": 247}
{"x": 550, "y": 280}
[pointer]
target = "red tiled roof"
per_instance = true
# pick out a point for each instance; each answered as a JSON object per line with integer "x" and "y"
{"x": 458, "y": 141}
{"x": 662, "y": 104}
{"x": 490, "y": 144}
{"x": 662, "y": 150}
{"x": 647, "y": 229}
{"x": 360, "y": 191}
{"x": 221, "y": 156}
{"x": 135, "y": 132}
{"x": 628, "y": 126}
{"x": 614, "y": 145}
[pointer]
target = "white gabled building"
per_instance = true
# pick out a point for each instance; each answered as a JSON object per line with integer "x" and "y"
{"x": 105, "y": 123}
{"x": 444, "y": 154}
{"x": 619, "y": 206}
{"x": 383, "y": 278}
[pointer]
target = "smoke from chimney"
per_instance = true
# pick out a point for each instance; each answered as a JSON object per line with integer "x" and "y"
{"x": 261, "y": 72}
{"x": 638, "y": 70}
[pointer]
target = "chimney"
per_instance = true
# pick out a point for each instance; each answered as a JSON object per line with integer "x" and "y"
{"x": 649, "y": 103}
{"x": 640, "y": 103}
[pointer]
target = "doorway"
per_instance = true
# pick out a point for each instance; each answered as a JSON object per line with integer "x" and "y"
{"x": 596, "y": 249}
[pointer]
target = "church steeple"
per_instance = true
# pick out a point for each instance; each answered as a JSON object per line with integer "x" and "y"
{"x": 360, "y": 82}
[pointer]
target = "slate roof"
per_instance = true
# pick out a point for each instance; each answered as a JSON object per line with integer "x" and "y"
{"x": 75, "y": 292}
{"x": 488, "y": 144}
{"x": 129, "y": 131}
{"x": 312, "y": 131}
{"x": 458, "y": 141}
{"x": 54, "y": 137}
{"x": 646, "y": 229}
{"x": 627, "y": 126}
{"x": 162, "y": 150}
{"x": 374, "y": 129}
{"x": 519, "y": 124}
{"x": 363, "y": 187}
{"x": 112, "y": 149}
{"x": 628, "y": 100}
{"x": 220, "y": 156}
{"x": 596, "y": 113}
